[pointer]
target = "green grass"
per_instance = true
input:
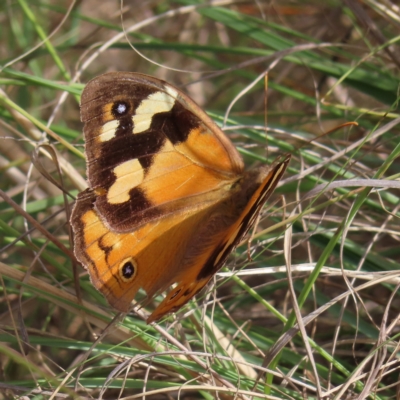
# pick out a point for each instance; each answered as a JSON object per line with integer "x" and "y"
{"x": 242, "y": 337}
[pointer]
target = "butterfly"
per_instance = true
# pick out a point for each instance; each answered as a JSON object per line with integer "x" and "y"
{"x": 168, "y": 197}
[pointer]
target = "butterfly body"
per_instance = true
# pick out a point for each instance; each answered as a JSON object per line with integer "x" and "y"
{"x": 169, "y": 198}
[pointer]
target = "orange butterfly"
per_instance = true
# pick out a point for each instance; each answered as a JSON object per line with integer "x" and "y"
{"x": 169, "y": 198}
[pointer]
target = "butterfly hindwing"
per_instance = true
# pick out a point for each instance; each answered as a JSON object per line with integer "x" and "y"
{"x": 119, "y": 264}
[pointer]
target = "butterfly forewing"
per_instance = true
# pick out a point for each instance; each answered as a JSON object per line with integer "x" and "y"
{"x": 151, "y": 151}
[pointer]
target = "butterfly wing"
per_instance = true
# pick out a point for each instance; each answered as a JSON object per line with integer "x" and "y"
{"x": 119, "y": 264}
{"x": 151, "y": 151}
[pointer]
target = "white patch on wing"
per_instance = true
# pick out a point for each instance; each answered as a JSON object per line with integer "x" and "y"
{"x": 108, "y": 130}
{"x": 128, "y": 175}
{"x": 157, "y": 102}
